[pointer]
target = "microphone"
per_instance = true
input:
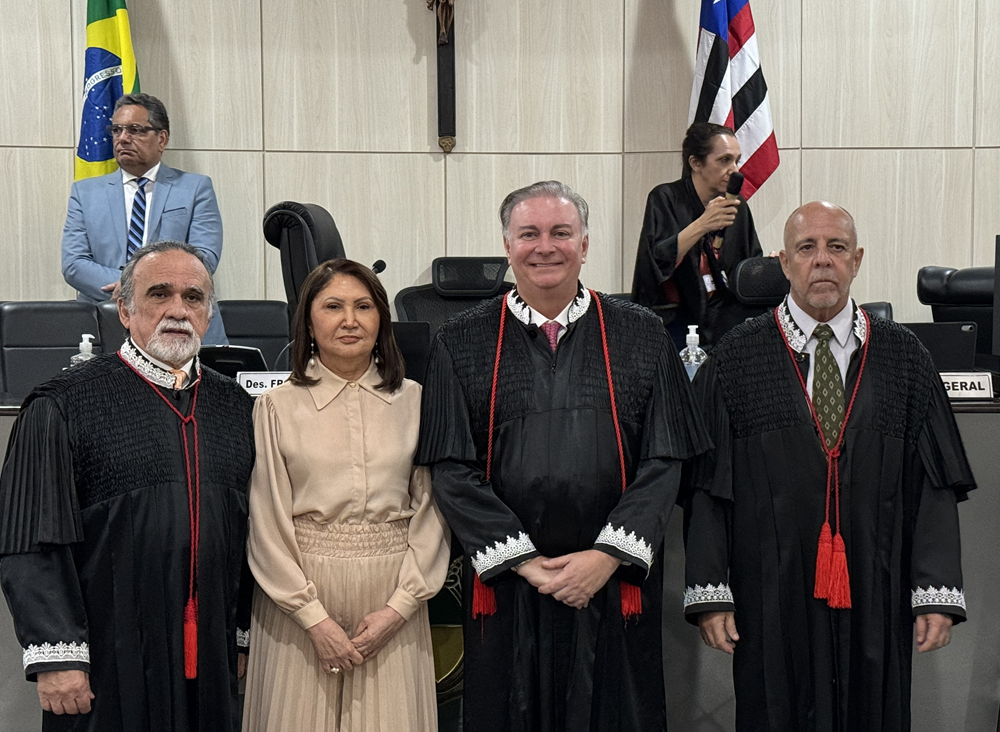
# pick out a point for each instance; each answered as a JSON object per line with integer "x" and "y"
{"x": 732, "y": 191}
{"x": 379, "y": 265}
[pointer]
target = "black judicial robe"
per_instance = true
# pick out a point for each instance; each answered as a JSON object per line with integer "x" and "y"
{"x": 670, "y": 208}
{"x": 555, "y": 488}
{"x": 754, "y": 516}
{"x": 95, "y": 543}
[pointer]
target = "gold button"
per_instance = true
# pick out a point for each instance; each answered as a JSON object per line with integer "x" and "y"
{"x": 352, "y": 384}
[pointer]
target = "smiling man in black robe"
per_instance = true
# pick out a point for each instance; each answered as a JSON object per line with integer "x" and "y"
{"x": 124, "y": 516}
{"x": 555, "y": 420}
{"x": 823, "y": 528}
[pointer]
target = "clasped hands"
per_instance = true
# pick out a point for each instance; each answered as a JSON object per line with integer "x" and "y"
{"x": 337, "y": 651}
{"x": 573, "y": 579}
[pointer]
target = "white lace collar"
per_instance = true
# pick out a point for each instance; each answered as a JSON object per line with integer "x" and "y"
{"x": 522, "y": 311}
{"x": 151, "y": 372}
{"x": 797, "y": 339}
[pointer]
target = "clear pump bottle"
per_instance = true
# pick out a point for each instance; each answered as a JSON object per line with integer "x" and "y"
{"x": 692, "y": 356}
{"x": 86, "y": 351}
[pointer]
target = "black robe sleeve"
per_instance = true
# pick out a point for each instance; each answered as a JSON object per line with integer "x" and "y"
{"x": 491, "y": 535}
{"x": 39, "y": 523}
{"x": 708, "y": 481}
{"x": 936, "y": 566}
{"x": 672, "y": 431}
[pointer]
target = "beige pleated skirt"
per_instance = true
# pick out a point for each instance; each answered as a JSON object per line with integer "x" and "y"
{"x": 355, "y": 569}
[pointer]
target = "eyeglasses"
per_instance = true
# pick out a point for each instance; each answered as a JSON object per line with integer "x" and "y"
{"x": 132, "y": 130}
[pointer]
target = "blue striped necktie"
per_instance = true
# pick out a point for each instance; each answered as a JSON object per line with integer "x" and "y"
{"x": 137, "y": 225}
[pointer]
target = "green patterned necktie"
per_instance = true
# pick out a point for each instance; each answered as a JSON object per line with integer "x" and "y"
{"x": 828, "y": 388}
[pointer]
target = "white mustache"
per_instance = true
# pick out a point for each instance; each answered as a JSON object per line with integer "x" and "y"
{"x": 174, "y": 324}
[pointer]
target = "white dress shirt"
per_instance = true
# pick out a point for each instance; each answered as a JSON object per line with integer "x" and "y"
{"x": 842, "y": 345}
{"x": 131, "y": 187}
{"x": 562, "y": 318}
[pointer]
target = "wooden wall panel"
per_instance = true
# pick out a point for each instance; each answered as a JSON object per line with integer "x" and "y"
{"x": 38, "y": 85}
{"x": 988, "y": 73}
{"x": 986, "y": 212}
{"x": 350, "y": 76}
{"x": 33, "y": 213}
{"x": 894, "y": 74}
{"x": 539, "y": 76}
{"x": 912, "y": 208}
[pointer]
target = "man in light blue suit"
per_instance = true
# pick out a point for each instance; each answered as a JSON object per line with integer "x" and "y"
{"x": 111, "y": 216}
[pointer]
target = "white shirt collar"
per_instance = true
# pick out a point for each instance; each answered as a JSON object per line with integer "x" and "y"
{"x": 842, "y": 323}
{"x": 148, "y": 175}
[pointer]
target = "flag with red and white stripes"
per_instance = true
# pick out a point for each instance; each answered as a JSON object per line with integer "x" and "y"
{"x": 729, "y": 87}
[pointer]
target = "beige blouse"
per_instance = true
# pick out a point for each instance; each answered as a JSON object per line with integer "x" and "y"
{"x": 340, "y": 452}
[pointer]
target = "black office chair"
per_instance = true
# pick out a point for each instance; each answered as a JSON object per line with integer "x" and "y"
{"x": 37, "y": 340}
{"x": 759, "y": 282}
{"x": 262, "y": 324}
{"x": 230, "y": 360}
{"x": 113, "y": 333}
{"x": 457, "y": 284}
{"x": 306, "y": 235}
{"x": 960, "y": 296}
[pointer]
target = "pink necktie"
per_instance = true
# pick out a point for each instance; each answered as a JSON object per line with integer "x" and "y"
{"x": 551, "y": 330}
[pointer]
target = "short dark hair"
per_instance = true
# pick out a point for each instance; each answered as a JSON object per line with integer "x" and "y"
{"x": 698, "y": 142}
{"x": 153, "y": 106}
{"x": 388, "y": 357}
{"x": 127, "y": 290}
{"x": 543, "y": 189}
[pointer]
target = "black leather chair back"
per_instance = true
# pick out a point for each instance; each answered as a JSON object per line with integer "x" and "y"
{"x": 37, "y": 339}
{"x": 960, "y": 296}
{"x": 306, "y": 235}
{"x": 458, "y": 283}
{"x": 262, "y": 324}
{"x": 759, "y": 282}
{"x": 113, "y": 333}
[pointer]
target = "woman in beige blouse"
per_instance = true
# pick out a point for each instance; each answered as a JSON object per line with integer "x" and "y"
{"x": 346, "y": 542}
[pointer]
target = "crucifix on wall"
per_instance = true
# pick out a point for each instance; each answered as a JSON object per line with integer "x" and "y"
{"x": 445, "y": 11}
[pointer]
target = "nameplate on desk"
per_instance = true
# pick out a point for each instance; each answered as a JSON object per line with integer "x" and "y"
{"x": 968, "y": 384}
{"x": 257, "y": 382}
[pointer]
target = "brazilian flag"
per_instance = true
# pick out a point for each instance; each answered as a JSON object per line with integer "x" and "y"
{"x": 109, "y": 73}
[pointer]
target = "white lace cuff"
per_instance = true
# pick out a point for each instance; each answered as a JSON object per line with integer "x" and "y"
{"x": 699, "y": 595}
{"x": 242, "y": 638}
{"x": 936, "y": 596}
{"x": 502, "y": 552}
{"x": 629, "y": 544}
{"x": 57, "y": 653}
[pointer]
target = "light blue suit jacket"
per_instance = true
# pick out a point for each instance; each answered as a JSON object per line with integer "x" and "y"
{"x": 96, "y": 233}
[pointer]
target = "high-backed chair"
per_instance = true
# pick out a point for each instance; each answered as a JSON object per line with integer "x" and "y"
{"x": 457, "y": 284}
{"x": 262, "y": 324}
{"x": 37, "y": 340}
{"x": 306, "y": 235}
{"x": 960, "y": 296}
{"x": 113, "y": 333}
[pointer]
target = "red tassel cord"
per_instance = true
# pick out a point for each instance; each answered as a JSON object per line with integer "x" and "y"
{"x": 484, "y": 600}
{"x": 191, "y": 639}
{"x": 833, "y": 582}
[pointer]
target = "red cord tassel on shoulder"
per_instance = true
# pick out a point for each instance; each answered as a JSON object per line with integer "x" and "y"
{"x": 191, "y": 639}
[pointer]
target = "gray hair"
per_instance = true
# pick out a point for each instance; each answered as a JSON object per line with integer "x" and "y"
{"x": 153, "y": 106}
{"x": 543, "y": 189}
{"x": 127, "y": 290}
